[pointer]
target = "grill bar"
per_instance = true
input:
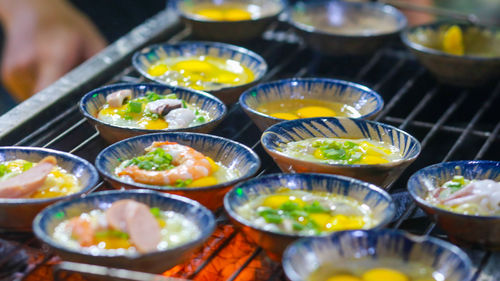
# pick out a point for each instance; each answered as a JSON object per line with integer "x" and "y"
{"x": 282, "y": 50}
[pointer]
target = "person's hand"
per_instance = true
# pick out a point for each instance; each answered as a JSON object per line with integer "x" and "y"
{"x": 44, "y": 40}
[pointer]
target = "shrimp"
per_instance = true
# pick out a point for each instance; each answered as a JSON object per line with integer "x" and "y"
{"x": 190, "y": 165}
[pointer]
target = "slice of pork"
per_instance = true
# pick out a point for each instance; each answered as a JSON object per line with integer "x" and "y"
{"x": 116, "y": 214}
{"x": 143, "y": 228}
{"x": 179, "y": 118}
{"x": 115, "y": 99}
{"x": 137, "y": 220}
{"x": 164, "y": 106}
{"x": 26, "y": 183}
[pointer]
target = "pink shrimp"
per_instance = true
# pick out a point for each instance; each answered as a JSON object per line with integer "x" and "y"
{"x": 190, "y": 165}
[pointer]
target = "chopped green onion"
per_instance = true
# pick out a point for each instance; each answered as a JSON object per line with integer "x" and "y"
{"x": 201, "y": 119}
{"x": 157, "y": 160}
{"x": 183, "y": 183}
{"x": 135, "y": 107}
{"x": 171, "y": 96}
{"x": 4, "y": 170}
{"x": 152, "y": 96}
{"x": 315, "y": 208}
{"x": 156, "y": 212}
{"x": 27, "y": 165}
{"x": 112, "y": 233}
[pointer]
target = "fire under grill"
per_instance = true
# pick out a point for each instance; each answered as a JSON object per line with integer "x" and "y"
{"x": 451, "y": 123}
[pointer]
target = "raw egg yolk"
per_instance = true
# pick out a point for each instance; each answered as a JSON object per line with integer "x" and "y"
{"x": 195, "y": 66}
{"x": 384, "y": 274}
{"x": 157, "y": 70}
{"x": 315, "y": 111}
{"x": 275, "y": 201}
{"x": 343, "y": 277}
{"x": 206, "y": 181}
{"x": 283, "y": 115}
{"x": 453, "y": 41}
{"x": 237, "y": 15}
{"x": 212, "y": 14}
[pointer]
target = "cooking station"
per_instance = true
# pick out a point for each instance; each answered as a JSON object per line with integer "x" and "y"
{"x": 451, "y": 124}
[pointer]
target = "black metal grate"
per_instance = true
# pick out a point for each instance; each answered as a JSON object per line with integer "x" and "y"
{"x": 451, "y": 123}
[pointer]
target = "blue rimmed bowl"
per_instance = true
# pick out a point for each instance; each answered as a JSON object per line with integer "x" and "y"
{"x": 230, "y": 153}
{"x": 379, "y": 174}
{"x": 363, "y": 99}
{"x": 154, "y": 262}
{"x": 334, "y": 27}
{"x": 93, "y": 101}
{"x": 306, "y": 255}
{"x": 229, "y": 31}
{"x": 480, "y": 64}
{"x": 466, "y": 230}
{"x": 148, "y": 56}
{"x": 274, "y": 243}
{"x": 18, "y": 214}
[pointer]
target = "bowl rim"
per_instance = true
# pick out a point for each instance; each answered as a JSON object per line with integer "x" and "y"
{"x": 206, "y": 230}
{"x": 92, "y": 181}
{"x": 238, "y": 49}
{"x": 433, "y": 25}
{"x": 416, "y": 239}
{"x": 384, "y": 165}
{"x": 401, "y": 21}
{"x": 234, "y": 215}
{"x": 84, "y": 100}
{"x": 412, "y": 184}
{"x": 253, "y": 170}
{"x": 192, "y": 17}
{"x": 320, "y": 80}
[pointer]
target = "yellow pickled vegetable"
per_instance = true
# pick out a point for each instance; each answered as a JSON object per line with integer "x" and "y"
{"x": 453, "y": 41}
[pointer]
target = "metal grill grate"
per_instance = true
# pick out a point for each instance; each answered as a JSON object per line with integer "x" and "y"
{"x": 451, "y": 123}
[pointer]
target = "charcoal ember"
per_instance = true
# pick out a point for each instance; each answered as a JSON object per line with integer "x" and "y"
{"x": 12, "y": 260}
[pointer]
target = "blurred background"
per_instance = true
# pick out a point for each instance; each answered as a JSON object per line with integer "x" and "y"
{"x": 111, "y": 19}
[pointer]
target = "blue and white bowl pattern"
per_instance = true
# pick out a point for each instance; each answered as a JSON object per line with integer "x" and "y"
{"x": 306, "y": 255}
{"x": 228, "y": 152}
{"x": 158, "y": 261}
{"x": 332, "y": 127}
{"x": 24, "y": 210}
{"x": 438, "y": 174}
{"x": 368, "y": 194}
{"x": 145, "y": 58}
{"x": 365, "y": 100}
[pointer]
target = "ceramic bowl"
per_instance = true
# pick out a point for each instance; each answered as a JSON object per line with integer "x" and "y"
{"x": 229, "y": 31}
{"x": 148, "y": 56}
{"x": 231, "y": 154}
{"x": 480, "y": 63}
{"x": 345, "y": 28}
{"x": 379, "y": 174}
{"x": 467, "y": 230}
{"x": 93, "y": 101}
{"x": 306, "y": 255}
{"x": 154, "y": 262}
{"x": 18, "y": 214}
{"x": 274, "y": 243}
{"x": 366, "y": 101}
